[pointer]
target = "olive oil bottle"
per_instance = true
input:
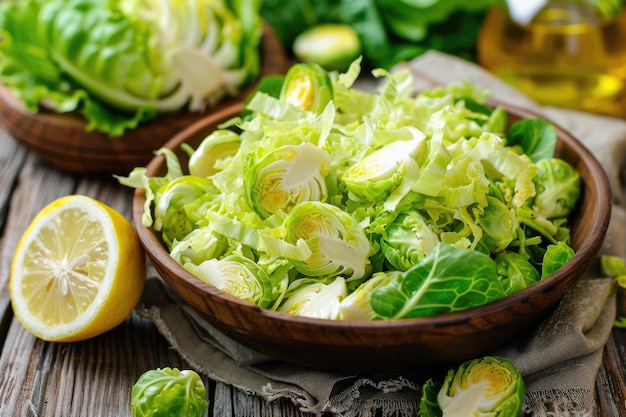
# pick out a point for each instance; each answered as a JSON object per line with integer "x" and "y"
{"x": 566, "y": 55}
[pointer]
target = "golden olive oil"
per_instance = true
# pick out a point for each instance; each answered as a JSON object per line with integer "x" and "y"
{"x": 566, "y": 56}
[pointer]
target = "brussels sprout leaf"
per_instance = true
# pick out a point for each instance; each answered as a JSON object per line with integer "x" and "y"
{"x": 556, "y": 256}
{"x": 536, "y": 138}
{"x": 169, "y": 391}
{"x": 448, "y": 279}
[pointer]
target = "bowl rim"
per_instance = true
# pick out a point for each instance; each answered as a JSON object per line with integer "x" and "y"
{"x": 583, "y": 257}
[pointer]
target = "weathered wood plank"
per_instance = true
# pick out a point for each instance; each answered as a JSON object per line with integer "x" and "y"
{"x": 12, "y": 156}
{"x": 611, "y": 380}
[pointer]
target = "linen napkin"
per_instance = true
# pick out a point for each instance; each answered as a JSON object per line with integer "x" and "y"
{"x": 559, "y": 359}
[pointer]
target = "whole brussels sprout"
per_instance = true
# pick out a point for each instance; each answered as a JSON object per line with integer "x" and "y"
{"x": 166, "y": 392}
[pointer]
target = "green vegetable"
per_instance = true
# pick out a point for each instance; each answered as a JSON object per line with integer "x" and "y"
{"x": 357, "y": 304}
{"x": 123, "y": 62}
{"x": 312, "y": 298}
{"x": 337, "y": 243}
{"x": 388, "y": 204}
{"x": 499, "y": 225}
{"x": 170, "y": 216}
{"x": 167, "y": 392}
{"x": 487, "y": 386}
{"x": 407, "y": 240}
{"x": 614, "y": 267}
{"x": 377, "y": 174}
{"x": 198, "y": 246}
{"x": 558, "y": 188}
{"x": 214, "y": 153}
{"x": 235, "y": 275}
{"x": 555, "y": 257}
{"x": 448, "y": 279}
{"x": 535, "y": 137}
{"x": 516, "y": 271}
{"x": 307, "y": 86}
{"x": 390, "y": 31}
{"x": 333, "y": 46}
{"x": 286, "y": 177}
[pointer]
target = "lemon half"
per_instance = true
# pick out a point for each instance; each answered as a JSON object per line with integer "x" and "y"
{"x": 78, "y": 270}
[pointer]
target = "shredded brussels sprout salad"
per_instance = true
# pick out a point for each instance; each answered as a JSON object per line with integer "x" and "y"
{"x": 327, "y": 201}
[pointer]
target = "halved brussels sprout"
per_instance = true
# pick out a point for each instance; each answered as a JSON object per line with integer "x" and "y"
{"x": 373, "y": 177}
{"x": 214, "y": 152}
{"x": 307, "y": 86}
{"x": 199, "y": 245}
{"x": 286, "y": 177}
{"x": 332, "y": 45}
{"x": 337, "y": 242}
{"x": 407, "y": 240}
{"x": 357, "y": 306}
{"x": 312, "y": 298}
{"x": 235, "y": 275}
{"x": 170, "y": 217}
{"x": 487, "y": 386}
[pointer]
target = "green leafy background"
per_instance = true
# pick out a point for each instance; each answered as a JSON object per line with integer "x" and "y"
{"x": 391, "y": 31}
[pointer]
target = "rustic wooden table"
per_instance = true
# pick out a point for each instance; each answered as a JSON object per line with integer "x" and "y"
{"x": 94, "y": 378}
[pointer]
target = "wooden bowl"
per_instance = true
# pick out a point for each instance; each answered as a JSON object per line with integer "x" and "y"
{"x": 61, "y": 139}
{"x": 395, "y": 345}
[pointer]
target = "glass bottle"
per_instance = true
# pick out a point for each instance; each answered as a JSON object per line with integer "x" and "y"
{"x": 566, "y": 54}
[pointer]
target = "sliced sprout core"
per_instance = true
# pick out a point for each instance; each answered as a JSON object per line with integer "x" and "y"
{"x": 376, "y": 175}
{"x": 236, "y": 275}
{"x": 485, "y": 385}
{"x": 290, "y": 175}
{"x": 337, "y": 242}
{"x": 214, "y": 153}
{"x": 307, "y": 86}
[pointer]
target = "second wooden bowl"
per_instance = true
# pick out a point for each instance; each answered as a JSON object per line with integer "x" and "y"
{"x": 62, "y": 141}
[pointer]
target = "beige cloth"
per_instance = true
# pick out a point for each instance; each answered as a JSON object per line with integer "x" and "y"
{"x": 559, "y": 359}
